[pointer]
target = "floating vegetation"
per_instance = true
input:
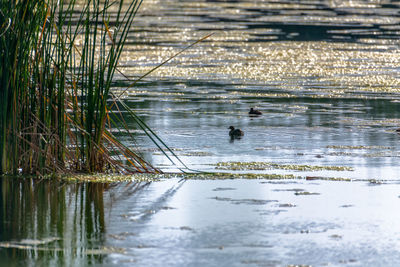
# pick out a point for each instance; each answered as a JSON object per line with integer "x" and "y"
{"x": 370, "y": 123}
{"x": 288, "y": 190}
{"x": 111, "y": 178}
{"x": 345, "y": 154}
{"x": 152, "y": 177}
{"x": 381, "y": 155}
{"x": 223, "y": 176}
{"x": 328, "y": 178}
{"x": 384, "y": 154}
{"x": 236, "y": 166}
{"x": 358, "y": 147}
{"x": 197, "y": 154}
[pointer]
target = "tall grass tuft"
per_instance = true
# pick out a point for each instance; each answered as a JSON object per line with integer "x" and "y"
{"x": 57, "y": 67}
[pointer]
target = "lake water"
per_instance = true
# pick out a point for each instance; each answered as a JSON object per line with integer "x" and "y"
{"x": 325, "y": 76}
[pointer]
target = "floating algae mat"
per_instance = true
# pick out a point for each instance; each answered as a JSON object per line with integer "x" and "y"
{"x": 148, "y": 177}
{"x": 358, "y": 147}
{"x": 242, "y": 166}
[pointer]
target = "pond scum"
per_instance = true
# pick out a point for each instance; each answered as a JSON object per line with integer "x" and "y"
{"x": 57, "y": 66}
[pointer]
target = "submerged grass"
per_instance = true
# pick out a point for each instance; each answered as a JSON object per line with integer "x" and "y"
{"x": 56, "y": 72}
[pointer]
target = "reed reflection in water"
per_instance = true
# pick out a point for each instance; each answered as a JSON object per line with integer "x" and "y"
{"x": 51, "y": 223}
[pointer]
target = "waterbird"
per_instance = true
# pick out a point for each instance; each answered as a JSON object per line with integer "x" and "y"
{"x": 254, "y": 112}
{"x": 235, "y": 133}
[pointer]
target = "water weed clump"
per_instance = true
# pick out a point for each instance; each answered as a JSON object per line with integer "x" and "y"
{"x": 57, "y": 66}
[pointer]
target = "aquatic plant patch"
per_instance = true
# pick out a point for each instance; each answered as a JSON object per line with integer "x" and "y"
{"x": 154, "y": 177}
{"x": 361, "y": 147}
{"x": 244, "y": 166}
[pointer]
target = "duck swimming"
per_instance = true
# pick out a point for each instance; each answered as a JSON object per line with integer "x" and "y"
{"x": 235, "y": 133}
{"x": 254, "y": 112}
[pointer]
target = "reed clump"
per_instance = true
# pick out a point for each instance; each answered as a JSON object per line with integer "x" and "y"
{"x": 57, "y": 65}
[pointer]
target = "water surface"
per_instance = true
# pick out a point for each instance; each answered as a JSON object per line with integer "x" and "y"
{"x": 325, "y": 76}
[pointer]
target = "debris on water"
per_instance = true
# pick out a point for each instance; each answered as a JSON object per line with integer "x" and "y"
{"x": 287, "y": 205}
{"x": 223, "y": 189}
{"x": 347, "y": 206}
{"x": 306, "y": 193}
{"x": 244, "y": 201}
{"x": 167, "y": 208}
{"x": 222, "y": 198}
{"x": 347, "y": 261}
{"x": 375, "y": 182}
{"x": 292, "y": 189}
{"x": 186, "y": 228}
{"x": 335, "y": 237}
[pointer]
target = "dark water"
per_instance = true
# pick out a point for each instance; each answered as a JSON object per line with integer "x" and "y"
{"x": 325, "y": 76}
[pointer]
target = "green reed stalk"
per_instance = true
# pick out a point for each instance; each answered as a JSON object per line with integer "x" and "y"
{"x": 56, "y": 71}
